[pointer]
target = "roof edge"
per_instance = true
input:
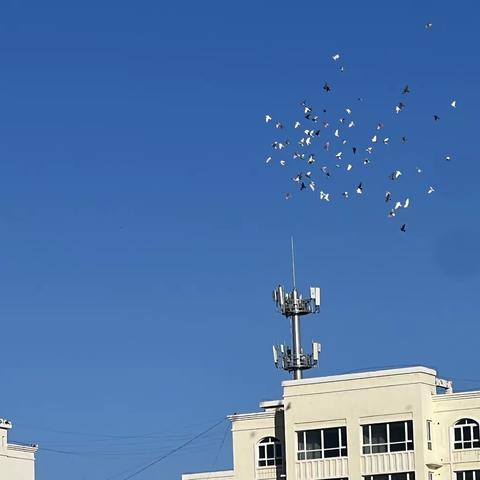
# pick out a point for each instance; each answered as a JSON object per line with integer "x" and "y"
{"x": 360, "y": 375}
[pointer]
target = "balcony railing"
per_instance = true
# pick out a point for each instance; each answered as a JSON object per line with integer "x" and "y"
{"x": 322, "y": 468}
{"x": 388, "y": 463}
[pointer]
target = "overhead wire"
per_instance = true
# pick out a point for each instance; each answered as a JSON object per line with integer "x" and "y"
{"x": 171, "y": 452}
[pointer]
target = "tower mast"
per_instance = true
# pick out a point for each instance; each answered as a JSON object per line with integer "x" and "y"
{"x": 292, "y": 305}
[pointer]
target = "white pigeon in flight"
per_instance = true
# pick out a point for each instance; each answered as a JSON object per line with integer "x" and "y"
{"x": 336, "y": 57}
{"x": 268, "y": 118}
{"x": 454, "y": 104}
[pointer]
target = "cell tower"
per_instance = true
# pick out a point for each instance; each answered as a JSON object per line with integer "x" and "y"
{"x": 292, "y": 305}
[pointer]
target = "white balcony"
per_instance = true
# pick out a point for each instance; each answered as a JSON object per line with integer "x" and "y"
{"x": 465, "y": 456}
{"x": 388, "y": 463}
{"x": 322, "y": 468}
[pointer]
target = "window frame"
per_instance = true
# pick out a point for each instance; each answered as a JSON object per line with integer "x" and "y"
{"x": 368, "y": 448}
{"x": 429, "y": 434}
{"x": 303, "y": 454}
{"x": 277, "y": 458}
{"x": 410, "y": 476}
{"x": 475, "y": 474}
{"x": 471, "y": 424}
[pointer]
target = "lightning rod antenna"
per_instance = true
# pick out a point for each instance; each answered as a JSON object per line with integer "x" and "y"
{"x": 293, "y": 263}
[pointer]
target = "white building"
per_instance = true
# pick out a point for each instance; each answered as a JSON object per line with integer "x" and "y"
{"x": 401, "y": 424}
{"x": 17, "y": 462}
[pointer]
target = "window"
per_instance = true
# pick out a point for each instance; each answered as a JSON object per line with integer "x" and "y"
{"x": 468, "y": 475}
{"x": 466, "y": 434}
{"x": 388, "y": 437}
{"x": 392, "y": 476}
{"x": 325, "y": 443}
{"x": 429, "y": 434}
{"x": 270, "y": 452}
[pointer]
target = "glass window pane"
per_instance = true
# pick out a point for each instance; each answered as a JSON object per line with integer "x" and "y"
{"x": 262, "y": 463}
{"x": 410, "y": 432}
{"x": 476, "y": 444}
{"x": 301, "y": 445}
{"x": 458, "y": 434}
{"x": 399, "y": 476}
{"x": 379, "y": 448}
{"x": 343, "y": 432}
{"x": 344, "y": 453}
{"x": 270, "y": 452}
{"x": 397, "y": 432}
{"x": 476, "y": 435}
{"x": 313, "y": 440}
{"x": 398, "y": 447}
{"x": 379, "y": 433}
{"x": 467, "y": 444}
{"x": 365, "y": 435}
{"x": 332, "y": 453}
{"x": 261, "y": 451}
{"x": 469, "y": 475}
{"x": 459, "y": 475}
{"x": 301, "y": 456}
{"x": 313, "y": 455}
{"x": 367, "y": 450}
{"x": 330, "y": 438}
{"x": 409, "y": 445}
{"x": 278, "y": 450}
{"x": 467, "y": 433}
{"x": 457, "y": 446}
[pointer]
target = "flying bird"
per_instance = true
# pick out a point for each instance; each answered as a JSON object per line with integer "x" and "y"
{"x": 430, "y": 190}
{"x": 268, "y": 118}
{"x": 359, "y": 189}
{"x": 324, "y": 196}
{"x": 454, "y": 104}
{"x": 406, "y": 90}
{"x": 336, "y": 57}
{"x": 327, "y": 87}
{"x": 403, "y": 228}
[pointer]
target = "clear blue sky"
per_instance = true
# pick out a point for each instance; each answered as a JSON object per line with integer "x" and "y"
{"x": 142, "y": 232}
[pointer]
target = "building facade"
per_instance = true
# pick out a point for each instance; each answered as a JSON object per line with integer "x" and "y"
{"x": 17, "y": 462}
{"x": 400, "y": 424}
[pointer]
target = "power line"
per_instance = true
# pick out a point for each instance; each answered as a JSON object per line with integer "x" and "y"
{"x": 171, "y": 452}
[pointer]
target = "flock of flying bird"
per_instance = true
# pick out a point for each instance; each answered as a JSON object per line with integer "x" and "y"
{"x": 312, "y": 128}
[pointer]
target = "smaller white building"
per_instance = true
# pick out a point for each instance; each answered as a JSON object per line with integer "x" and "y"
{"x": 17, "y": 462}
